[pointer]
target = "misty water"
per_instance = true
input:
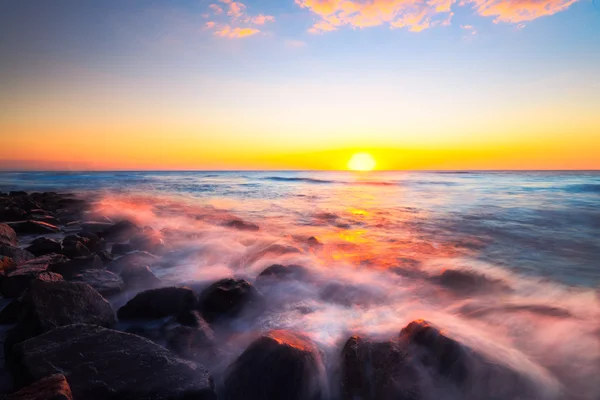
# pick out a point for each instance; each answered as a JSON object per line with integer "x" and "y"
{"x": 507, "y": 263}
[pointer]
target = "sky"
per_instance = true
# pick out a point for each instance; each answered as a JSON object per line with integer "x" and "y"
{"x": 299, "y": 84}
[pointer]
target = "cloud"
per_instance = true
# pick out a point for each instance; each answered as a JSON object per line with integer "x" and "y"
{"x": 417, "y": 15}
{"x": 470, "y": 29}
{"x": 236, "y": 23}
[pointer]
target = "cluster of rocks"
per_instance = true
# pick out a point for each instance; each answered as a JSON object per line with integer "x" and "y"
{"x": 64, "y": 343}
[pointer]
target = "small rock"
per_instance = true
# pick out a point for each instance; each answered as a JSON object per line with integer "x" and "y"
{"x": 53, "y": 387}
{"x": 242, "y": 225}
{"x": 159, "y": 303}
{"x": 314, "y": 242}
{"x": 70, "y": 268}
{"x": 105, "y": 282}
{"x": 42, "y": 246}
{"x": 137, "y": 276}
{"x": 8, "y": 235}
{"x": 278, "y": 365}
{"x": 76, "y": 246}
{"x": 105, "y": 257}
{"x": 17, "y": 254}
{"x": 229, "y": 298}
{"x": 31, "y": 227}
{"x": 6, "y": 264}
{"x": 278, "y": 271}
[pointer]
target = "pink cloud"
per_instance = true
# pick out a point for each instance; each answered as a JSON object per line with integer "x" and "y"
{"x": 227, "y": 31}
{"x": 417, "y": 15}
{"x": 216, "y": 9}
{"x": 236, "y": 23}
{"x": 262, "y": 19}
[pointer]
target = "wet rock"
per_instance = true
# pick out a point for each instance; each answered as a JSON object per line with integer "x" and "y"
{"x": 278, "y": 365}
{"x": 11, "y": 214}
{"x": 137, "y": 276}
{"x": 349, "y": 295}
{"x": 468, "y": 282}
{"x": 377, "y": 371}
{"x": 92, "y": 241}
{"x": 159, "y": 303}
{"x": 8, "y": 235}
{"x": 121, "y": 231}
{"x": 17, "y": 193}
{"x": 138, "y": 258}
{"x": 105, "y": 257}
{"x": 314, "y": 242}
{"x": 17, "y": 254}
{"x": 17, "y": 281}
{"x": 32, "y": 227}
{"x": 229, "y": 298}
{"x": 106, "y": 364}
{"x": 242, "y": 225}
{"x": 12, "y": 312}
{"x": 278, "y": 271}
{"x": 191, "y": 318}
{"x": 42, "y": 246}
{"x": 95, "y": 226}
{"x": 104, "y": 282}
{"x": 53, "y": 387}
{"x": 121, "y": 248}
{"x": 75, "y": 246}
{"x": 191, "y": 342}
{"x": 149, "y": 241}
{"x": 6, "y": 264}
{"x": 70, "y": 268}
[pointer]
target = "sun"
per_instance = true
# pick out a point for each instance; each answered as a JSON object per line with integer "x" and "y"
{"x": 361, "y": 162}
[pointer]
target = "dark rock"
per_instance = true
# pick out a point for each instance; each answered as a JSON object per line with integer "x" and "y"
{"x": 95, "y": 226}
{"x": 278, "y": 365}
{"x": 121, "y": 248}
{"x": 17, "y": 254}
{"x": 8, "y": 235}
{"x": 349, "y": 295}
{"x": 242, "y": 225}
{"x": 47, "y": 260}
{"x": 42, "y": 246}
{"x": 31, "y": 227}
{"x": 11, "y": 214}
{"x": 53, "y": 387}
{"x": 191, "y": 343}
{"x": 191, "y": 318}
{"x": 76, "y": 246}
{"x": 229, "y": 298}
{"x": 121, "y": 231}
{"x": 106, "y": 364}
{"x": 278, "y": 271}
{"x": 137, "y": 276}
{"x": 314, "y": 242}
{"x": 468, "y": 282}
{"x": 105, "y": 282}
{"x": 17, "y": 193}
{"x": 6, "y": 264}
{"x": 159, "y": 303}
{"x": 17, "y": 281}
{"x": 377, "y": 371}
{"x": 70, "y": 268}
{"x": 12, "y": 312}
{"x": 93, "y": 241}
{"x": 138, "y": 258}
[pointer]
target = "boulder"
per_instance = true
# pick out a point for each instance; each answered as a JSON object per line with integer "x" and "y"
{"x": 42, "y": 246}
{"x": 11, "y": 214}
{"x": 76, "y": 246}
{"x": 159, "y": 303}
{"x": 148, "y": 241}
{"x": 31, "y": 227}
{"x": 464, "y": 282}
{"x": 191, "y": 343}
{"x": 313, "y": 242}
{"x": 106, "y": 364}
{"x": 138, "y": 258}
{"x": 6, "y": 264}
{"x": 105, "y": 257}
{"x": 242, "y": 225}
{"x": 278, "y": 271}
{"x": 278, "y": 365}
{"x": 70, "y": 268}
{"x": 121, "y": 231}
{"x": 17, "y": 281}
{"x": 95, "y": 226}
{"x": 121, "y": 248}
{"x": 93, "y": 241}
{"x": 104, "y": 282}
{"x": 229, "y": 298}
{"x": 53, "y": 387}
{"x": 8, "y": 235}
{"x": 137, "y": 276}
{"x": 17, "y": 254}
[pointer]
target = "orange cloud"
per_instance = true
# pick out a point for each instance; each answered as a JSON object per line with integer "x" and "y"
{"x": 227, "y": 31}
{"x": 417, "y": 15}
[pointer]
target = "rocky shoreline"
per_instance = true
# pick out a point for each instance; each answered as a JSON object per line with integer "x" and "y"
{"x": 59, "y": 263}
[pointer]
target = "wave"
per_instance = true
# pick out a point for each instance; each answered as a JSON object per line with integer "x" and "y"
{"x": 293, "y": 179}
{"x": 584, "y": 188}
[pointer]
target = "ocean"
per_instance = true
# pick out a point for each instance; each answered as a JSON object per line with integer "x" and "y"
{"x": 507, "y": 262}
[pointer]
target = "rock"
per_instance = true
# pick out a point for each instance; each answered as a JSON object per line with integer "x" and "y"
{"x": 8, "y": 235}
{"x": 121, "y": 248}
{"x": 93, "y": 241}
{"x": 229, "y": 298}
{"x": 104, "y": 282}
{"x": 70, "y": 268}
{"x": 17, "y": 193}
{"x": 105, "y": 257}
{"x": 76, "y": 246}
{"x": 106, "y": 364}
{"x": 377, "y": 371}
{"x": 137, "y": 276}
{"x": 278, "y": 365}
{"x": 242, "y": 225}
{"x": 12, "y": 312}
{"x": 31, "y": 227}
{"x": 138, "y": 258}
{"x": 95, "y": 226}
{"x": 53, "y": 387}
{"x": 191, "y": 343}
{"x": 17, "y": 281}
{"x": 17, "y": 254}
{"x": 278, "y": 271}
{"x": 159, "y": 303}
{"x": 468, "y": 282}
{"x": 313, "y": 242}
{"x": 11, "y": 214}
{"x": 349, "y": 295}
{"x": 6, "y": 264}
{"x": 121, "y": 231}
{"x": 192, "y": 319}
{"x": 42, "y": 246}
